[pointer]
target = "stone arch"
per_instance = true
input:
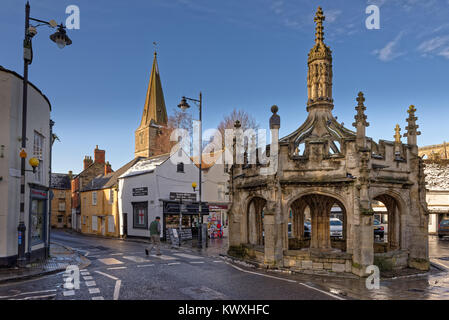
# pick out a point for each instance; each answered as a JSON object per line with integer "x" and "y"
{"x": 254, "y": 220}
{"x": 319, "y": 205}
{"x": 393, "y": 204}
{"x": 320, "y": 192}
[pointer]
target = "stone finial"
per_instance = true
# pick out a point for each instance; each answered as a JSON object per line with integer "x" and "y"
{"x": 275, "y": 120}
{"x": 319, "y": 18}
{"x": 397, "y": 134}
{"x": 360, "y": 117}
{"x": 412, "y": 127}
{"x": 360, "y": 121}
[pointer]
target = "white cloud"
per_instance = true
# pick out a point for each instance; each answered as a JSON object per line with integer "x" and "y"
{"x": 438, "y": 45}
{"x": 390, "y": 51}
{"x": 331, "y": 15}
{"x": 377, "y": 2}
{"x": 444, "y": 53}
{"x": 433, "y": 44}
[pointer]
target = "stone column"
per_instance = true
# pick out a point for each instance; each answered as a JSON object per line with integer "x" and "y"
{"x": 270, "y": 235}
{"x": 320, "y": 207}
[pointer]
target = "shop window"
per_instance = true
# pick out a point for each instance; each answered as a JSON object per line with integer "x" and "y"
{"x": 140, "y": 215}
{"x": 37, "y": 223}
{"x": 38, "y": 152}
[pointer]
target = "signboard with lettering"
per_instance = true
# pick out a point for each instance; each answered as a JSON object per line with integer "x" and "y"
{"x": 183, "y": 196}
{"x": 142, "y": 191}
{"x": 173, "y": 235}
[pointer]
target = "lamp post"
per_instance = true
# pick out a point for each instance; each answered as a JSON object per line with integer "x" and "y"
{"x": 184, "y": 106}
{"x": 61, "y": 39}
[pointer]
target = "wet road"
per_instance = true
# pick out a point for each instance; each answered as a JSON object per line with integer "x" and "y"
{"x": 121, "y": 270}
{"x": 439, "y": 250}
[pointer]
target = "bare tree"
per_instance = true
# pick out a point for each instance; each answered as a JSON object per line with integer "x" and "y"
{"x": 247, "y": 121}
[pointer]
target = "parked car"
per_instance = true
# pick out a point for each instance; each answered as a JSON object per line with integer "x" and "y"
{"x": 378, "y": 230}
{"x": 443, "y": 228}
{"x": 336, "y": 228}
{"x": 307, "y": 229}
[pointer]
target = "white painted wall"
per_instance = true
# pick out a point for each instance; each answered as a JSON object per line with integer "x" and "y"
{"x": 38, "y": 115}
{"x": 438, "y": 204}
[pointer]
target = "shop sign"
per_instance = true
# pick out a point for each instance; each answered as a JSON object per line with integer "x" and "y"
{"x": 142, "y": 191}
{"x": 183, "y": 196}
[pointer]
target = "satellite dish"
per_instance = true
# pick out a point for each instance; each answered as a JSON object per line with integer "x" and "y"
{"x": 52, "y": 23}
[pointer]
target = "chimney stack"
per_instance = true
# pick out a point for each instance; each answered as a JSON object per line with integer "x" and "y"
{"x": 99, "y": 155}
{"x": 70, "y": 174}
{"x": 107, "y": 168}
{"x": 87, "y": 162}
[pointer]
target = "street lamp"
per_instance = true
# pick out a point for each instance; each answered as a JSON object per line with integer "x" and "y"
{"x": 61, "y": 39}
{"x": 184, "y": 106}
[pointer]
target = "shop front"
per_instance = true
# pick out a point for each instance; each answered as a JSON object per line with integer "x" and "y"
{"x": 217, "y": 220}
{"x": 176, "y": 210}
{"x": 38, "y": 231}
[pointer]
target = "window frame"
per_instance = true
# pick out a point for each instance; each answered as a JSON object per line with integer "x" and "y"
{"x": 94, "y": 203}
{"x": 136, "y": 206}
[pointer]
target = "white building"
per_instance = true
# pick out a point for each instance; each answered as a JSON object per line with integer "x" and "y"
{"x": 154, "y": 186}
{"x": 36, "y": 184}
{"x": 437, "y": 195}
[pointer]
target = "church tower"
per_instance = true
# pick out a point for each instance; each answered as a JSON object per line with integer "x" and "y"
{"x": 148, "y": 135}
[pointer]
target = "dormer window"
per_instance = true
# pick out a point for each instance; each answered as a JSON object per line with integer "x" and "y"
{"x": 180, "y": 167}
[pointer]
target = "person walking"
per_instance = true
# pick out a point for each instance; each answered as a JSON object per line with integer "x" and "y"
{"x": 155, "y": 233}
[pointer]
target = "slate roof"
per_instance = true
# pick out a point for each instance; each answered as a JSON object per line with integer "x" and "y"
{"x": 107, "y": 181}
{"x": 145, "y": 165}
{"x": 98, "y": 182}
{"x": 60, "y": 181}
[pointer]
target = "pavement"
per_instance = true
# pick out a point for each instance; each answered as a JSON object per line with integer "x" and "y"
{"x": 60, "y": 258}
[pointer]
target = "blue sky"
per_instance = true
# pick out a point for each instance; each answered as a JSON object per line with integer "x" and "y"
{"x": 241, "y": 54}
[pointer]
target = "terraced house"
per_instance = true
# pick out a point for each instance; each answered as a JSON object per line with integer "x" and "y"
{"x": 99, "y": 202}
{"x": 61, "y": 213}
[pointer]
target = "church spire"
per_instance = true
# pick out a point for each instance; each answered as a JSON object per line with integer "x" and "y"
{"x": 154, "y": 108}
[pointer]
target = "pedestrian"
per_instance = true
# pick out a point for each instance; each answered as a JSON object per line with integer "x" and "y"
{"x": 155, "y": 232}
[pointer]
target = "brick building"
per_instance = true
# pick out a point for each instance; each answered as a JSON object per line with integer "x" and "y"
{"x": 99, "y": 202}
{"x": 91, "y": 169}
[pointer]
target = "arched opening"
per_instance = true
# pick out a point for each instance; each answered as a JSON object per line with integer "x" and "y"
{"x": 334, "y": 147}
{"x": 255, "y": 231}
{"x": 386, "y": 224}
{"x": 317, "y": 221}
